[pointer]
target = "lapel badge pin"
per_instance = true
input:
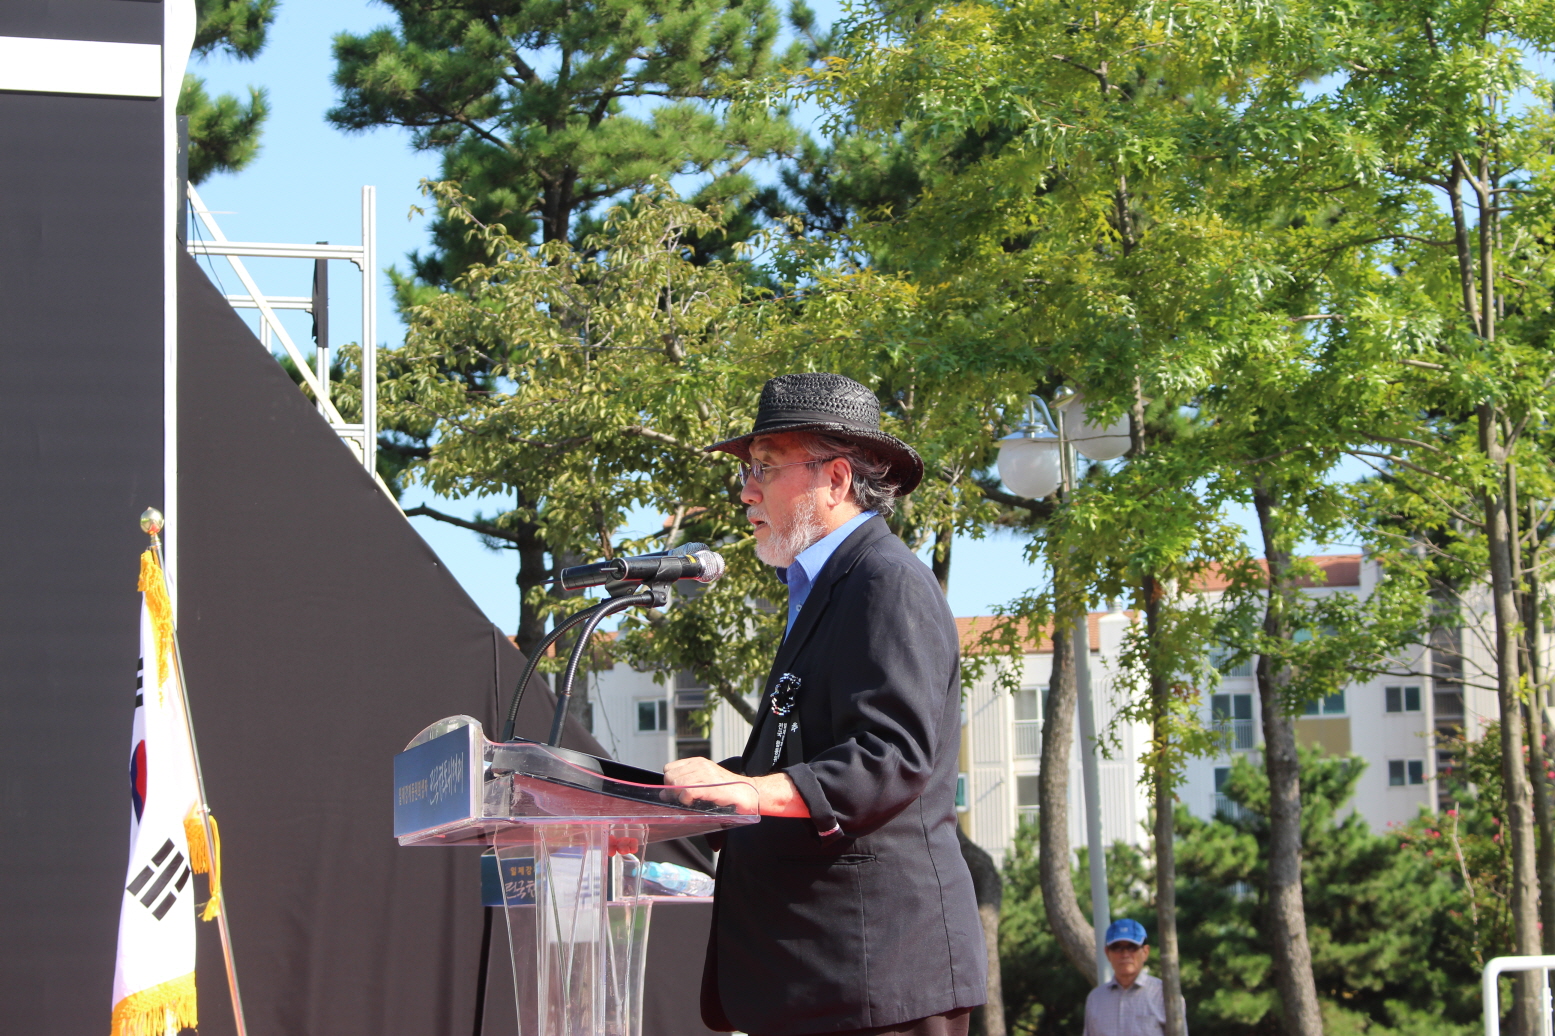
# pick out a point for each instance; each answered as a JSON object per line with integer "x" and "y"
{"x": 785, "y": 694}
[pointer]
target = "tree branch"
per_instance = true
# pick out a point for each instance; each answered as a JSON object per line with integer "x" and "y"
{"x": 1038, "y": 508}
{"x": 653, "y": 436}
{"x": 493, "y": 531}
{"x": 737, "y": 702}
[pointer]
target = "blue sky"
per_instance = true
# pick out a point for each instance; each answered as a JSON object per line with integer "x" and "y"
{"x": 305, "y": 186}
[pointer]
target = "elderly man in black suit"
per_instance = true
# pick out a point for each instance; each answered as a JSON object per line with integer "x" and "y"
{"x": 849, "y": 908}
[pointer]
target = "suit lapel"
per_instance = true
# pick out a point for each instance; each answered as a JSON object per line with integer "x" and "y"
{"x": 836, "y": 567}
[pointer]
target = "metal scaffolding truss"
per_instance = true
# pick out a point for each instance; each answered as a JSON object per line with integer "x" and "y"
{"x": 362, "y": 438}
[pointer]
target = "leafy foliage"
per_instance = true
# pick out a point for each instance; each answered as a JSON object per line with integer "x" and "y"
{"x": 1391, "y": 924}
{"x": 545, "y": 111}
{"x": 224, "y": 131}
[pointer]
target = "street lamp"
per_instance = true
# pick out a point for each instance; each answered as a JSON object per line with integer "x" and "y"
{"x": 1031, "y": 458}
{"x": 1035, "y": 461}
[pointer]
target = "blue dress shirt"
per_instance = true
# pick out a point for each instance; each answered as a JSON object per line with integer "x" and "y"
{"x": 800, "y": 576}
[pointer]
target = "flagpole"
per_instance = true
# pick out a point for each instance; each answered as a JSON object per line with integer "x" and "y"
{"x": 151, "y": 522}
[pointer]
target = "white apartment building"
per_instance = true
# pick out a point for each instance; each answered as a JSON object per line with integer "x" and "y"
{"x": 1392, "y": 722}
{"x": 646, "y": 722}
{"x": 1389, "y": 721}
{"x": 1001, "y": 742}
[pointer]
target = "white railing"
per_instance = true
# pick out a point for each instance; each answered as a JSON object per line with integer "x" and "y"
{"x": 1028, "y": 738}
{"x": 1227, "y": 808}
{"x": 1491, "y": 991}
{"x": 1240, "y": 732}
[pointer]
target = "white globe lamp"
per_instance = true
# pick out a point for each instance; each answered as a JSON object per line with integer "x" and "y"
{"x": 1029, "y": 463}
{"x": 1092, "y": 439}
{"x": 1102, "y": 442}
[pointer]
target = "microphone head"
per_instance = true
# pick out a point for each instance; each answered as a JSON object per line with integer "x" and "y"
{"x": 686, "y": 550}
{"x": 712, "y": 565}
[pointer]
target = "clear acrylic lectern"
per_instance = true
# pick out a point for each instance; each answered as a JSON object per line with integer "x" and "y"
{"x": 577, "y": 825}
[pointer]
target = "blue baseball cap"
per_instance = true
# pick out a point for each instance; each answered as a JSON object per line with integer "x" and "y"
{"x": 1125, "y": 930}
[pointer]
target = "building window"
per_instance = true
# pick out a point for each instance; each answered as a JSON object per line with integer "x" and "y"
{"x": 1028, "y": 725}
{"x": 690, "y": 734}
{"x": 1402, "y": 699}
{"x": 1226, "y": 808}
{"x": 1233, "y": 717}
{"x": 1405, "y": 771}
{"x": 1333, "y": 705}
{"x": 1028, "y": 794}
{"x": 653, "y": 715}
{"x": 963, "y": 799}
{"x": 1220, "y": 657}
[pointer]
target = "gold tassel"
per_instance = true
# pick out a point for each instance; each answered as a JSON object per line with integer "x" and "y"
{"x": 148, "y": 1012}
{"x": 202, "y": 860}
{"x": 161, "y": 611}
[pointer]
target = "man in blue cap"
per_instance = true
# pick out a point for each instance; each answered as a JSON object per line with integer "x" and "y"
{"x": 1131, "y": 1003}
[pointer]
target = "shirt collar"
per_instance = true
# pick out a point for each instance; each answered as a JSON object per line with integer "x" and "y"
{"x": 814, "y": 557}
{"x": 1138, "y": 981}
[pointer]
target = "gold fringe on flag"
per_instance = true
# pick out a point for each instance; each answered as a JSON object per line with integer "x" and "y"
{"x": 201, "y": 858}
{"x": 147, "y": 1012}
{"x": 161, "y": 611}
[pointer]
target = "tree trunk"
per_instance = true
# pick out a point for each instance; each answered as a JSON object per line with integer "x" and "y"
{"x": 940, "y": 559}
{"x": 1075, "y": 935}
{"x": 1527, "y": 596}
{"x": 1165, "y": 836}
{"x": 988, "y": 888}
{"x": 531, "y": 573}
{"x": 1514, "y": 773}
{"x": 1544, "y": 821}
{"x": 1286, "y": 909}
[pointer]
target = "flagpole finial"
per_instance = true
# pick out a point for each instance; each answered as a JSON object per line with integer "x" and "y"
{"x": 151, "y": 522}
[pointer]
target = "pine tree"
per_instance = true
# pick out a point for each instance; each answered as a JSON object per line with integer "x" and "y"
{"x": 224, "y": 131}
{"x": 542, "y": 111}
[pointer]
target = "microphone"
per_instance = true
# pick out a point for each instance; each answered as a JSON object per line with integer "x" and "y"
{"x": 692, "y": 561}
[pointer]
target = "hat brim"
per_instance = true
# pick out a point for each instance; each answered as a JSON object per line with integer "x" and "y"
{"x": 904, "y": 464}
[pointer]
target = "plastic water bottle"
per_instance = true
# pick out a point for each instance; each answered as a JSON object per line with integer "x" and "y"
{"x": 669, "y": 879}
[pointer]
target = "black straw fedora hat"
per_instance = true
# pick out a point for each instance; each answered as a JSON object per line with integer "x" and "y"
{"x": 835, "y": 405}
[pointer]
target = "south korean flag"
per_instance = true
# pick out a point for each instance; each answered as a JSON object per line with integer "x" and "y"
{"x": 153, "y": 982}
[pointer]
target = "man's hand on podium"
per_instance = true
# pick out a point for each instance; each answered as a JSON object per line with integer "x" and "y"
{"x": 773, "y": 795}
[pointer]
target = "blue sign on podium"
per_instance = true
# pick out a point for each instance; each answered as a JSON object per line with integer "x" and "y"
{"x": 515, "y": 877}
{"x": 436, "y": 782}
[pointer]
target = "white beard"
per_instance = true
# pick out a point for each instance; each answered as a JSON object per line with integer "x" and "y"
{"x": 784, "y": 545}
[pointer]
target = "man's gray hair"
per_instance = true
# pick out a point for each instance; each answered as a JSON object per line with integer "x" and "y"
{"x": 873, "y": 488}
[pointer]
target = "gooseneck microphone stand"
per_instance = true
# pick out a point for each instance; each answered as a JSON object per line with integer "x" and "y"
{"x": 650, "y": 595}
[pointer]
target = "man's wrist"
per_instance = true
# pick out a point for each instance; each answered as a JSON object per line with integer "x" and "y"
{"x": 779, "y": 797}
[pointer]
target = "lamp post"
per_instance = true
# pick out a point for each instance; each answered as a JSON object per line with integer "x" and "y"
{"x": 1036, "y": 460}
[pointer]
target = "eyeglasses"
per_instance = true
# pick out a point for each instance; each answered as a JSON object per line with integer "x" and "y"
{"x": 761, "y": 473}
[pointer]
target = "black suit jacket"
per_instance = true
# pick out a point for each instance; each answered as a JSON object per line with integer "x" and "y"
{"x": 862, "y": 915}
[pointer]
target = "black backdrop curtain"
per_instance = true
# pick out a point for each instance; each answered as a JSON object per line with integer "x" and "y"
{"x": 81, "y": 457}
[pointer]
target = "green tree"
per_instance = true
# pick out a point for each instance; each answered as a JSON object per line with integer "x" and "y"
{"x": 544, "y": 111}
{"x": 1432, "y": 92}
{"x": 1393, "y": 923}
{"x": 224, "y": 131}
{"x": 582, "y": 383}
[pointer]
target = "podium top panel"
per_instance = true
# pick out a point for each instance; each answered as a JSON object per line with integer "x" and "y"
{"x": 453, "y": 786}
